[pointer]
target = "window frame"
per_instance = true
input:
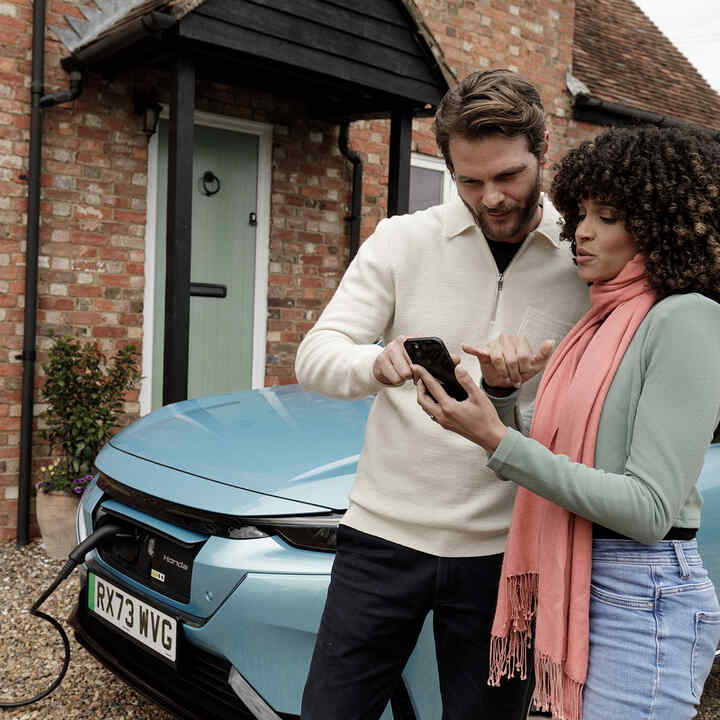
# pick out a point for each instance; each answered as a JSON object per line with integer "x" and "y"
{"x": 431, "y": 162}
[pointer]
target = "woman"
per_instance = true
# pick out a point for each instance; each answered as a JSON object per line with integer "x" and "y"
{"x": 601, "y": 573}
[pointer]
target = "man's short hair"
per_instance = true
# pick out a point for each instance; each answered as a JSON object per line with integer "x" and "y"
{"x": 490, "y": 102}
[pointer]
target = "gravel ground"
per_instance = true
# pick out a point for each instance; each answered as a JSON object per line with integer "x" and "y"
{"x": 31, "y": 651}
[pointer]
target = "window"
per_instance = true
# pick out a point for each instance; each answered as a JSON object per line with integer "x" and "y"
{"x": 430, "y": 182}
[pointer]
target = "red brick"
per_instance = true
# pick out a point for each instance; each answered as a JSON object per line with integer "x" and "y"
{"x": 109, "y": 332}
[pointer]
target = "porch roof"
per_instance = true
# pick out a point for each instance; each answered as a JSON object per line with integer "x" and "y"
{"x": 347, "y": 58}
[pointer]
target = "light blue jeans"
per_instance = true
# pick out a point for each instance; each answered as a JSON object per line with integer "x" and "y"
{"x": 654, "y": 628}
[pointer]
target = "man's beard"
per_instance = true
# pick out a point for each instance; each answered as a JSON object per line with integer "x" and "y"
{"x": 525, "y": 214}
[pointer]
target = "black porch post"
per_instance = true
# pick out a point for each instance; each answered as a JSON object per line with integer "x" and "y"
{"x": 179, "y": 231}
{"x": 399, "y": 170}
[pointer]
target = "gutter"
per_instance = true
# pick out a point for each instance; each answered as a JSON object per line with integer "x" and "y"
{"x": 28, "y": 356}
{"x": 583, "y": 99}
{"x": 151, "y": 25}
{"x": 357, "y": 181}
{"x": 593, "y": 103}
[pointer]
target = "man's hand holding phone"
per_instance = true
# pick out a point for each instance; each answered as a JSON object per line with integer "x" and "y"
{"x": 431, "y": 353}
{"x": 392, "y": 366}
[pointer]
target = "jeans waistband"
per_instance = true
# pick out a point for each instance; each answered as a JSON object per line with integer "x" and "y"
{"x": 675, "y": 533}
{"x": 665, "y": 552}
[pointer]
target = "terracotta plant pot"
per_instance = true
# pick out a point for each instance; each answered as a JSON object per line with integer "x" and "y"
{"x": 56, "y": 518}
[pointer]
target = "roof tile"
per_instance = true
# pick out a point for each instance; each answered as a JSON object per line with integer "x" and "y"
{"x": 623, "y": 57}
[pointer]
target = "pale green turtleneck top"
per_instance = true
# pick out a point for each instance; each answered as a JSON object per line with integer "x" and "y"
{"x": 656, "y": 424}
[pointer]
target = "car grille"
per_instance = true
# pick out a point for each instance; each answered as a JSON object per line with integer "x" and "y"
{"x": 194, "y": 519}
{"x": 153, "y": 559}
{"x": 197, "y": 690}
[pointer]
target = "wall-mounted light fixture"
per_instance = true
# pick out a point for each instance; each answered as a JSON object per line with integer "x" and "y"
{"x": 150, "y": 112}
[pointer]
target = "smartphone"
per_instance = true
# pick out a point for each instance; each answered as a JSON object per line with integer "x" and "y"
{"x": 431, "y": 353}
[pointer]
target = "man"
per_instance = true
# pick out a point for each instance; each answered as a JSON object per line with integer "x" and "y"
{"x": 427, "y": 521}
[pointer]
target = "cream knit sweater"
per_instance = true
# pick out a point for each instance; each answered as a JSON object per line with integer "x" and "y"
{"x": 432, "y": 273}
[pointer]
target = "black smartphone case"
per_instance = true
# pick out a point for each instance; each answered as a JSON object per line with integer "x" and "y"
{"x": 431, "y": 353}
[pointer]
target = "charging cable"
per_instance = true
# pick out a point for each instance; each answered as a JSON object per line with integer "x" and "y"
{"x": 74, "y": 559}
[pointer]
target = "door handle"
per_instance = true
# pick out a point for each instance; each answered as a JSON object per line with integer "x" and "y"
{"x": 208, "y": 290}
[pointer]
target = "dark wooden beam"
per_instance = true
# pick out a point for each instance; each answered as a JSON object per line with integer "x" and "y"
{"x": 399, "y": 168}
{"x": 380, "y": 9}
{"x": 347, "y": 67}
{"x": 179, "y": 231}
{"x": 324, "y": 96}
{"x": 302, "y": 15}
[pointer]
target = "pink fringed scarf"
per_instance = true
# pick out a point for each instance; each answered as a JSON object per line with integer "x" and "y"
{"x": 547, "y": 564}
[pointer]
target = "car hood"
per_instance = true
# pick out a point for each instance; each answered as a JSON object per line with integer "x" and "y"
{"x": 286, "y": 442}
{"x": 710, "y": 474}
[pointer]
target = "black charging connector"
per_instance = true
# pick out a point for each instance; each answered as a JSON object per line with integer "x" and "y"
{"x": 77, "y": 555}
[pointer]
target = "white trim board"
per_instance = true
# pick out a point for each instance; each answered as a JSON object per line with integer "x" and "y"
{"x": 430, "y": 162}
{"x": 264, "y": 132}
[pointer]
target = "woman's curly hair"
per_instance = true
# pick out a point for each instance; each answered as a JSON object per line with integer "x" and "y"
{"x": 664, "y": 184}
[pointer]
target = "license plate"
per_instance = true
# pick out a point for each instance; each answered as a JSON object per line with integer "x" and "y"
{"x": 142, "y": 622}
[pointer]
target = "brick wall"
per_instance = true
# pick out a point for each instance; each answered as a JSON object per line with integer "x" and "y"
{"x": 91, "y": 242}
{"x": 14, "y": 121}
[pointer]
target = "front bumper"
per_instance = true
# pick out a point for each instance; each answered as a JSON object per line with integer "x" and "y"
{"x": 198, "y": 689}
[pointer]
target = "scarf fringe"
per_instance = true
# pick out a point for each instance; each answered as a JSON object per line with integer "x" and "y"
{"x": 508, "y": 652}
{"x": 554, "y": 690}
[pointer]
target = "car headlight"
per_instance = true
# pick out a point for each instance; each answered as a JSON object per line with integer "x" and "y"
{"x": 309, "y": 532}
{"x": 81, "y": 528}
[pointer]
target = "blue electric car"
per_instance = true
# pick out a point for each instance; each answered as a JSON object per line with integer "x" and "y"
{"x": 209, "y": 597}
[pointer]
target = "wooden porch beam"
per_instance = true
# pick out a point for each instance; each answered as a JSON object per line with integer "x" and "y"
{"x": 399, "y": 166}
{"x": 179, "y": 232}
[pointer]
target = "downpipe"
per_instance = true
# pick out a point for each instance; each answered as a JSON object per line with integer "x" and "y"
{"x": 356, "y": 198}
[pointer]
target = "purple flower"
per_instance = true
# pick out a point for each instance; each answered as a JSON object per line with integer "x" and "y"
{"x": 79, "y": 490}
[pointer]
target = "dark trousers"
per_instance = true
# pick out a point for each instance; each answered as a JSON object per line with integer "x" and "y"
{"x": 379, "y": 596}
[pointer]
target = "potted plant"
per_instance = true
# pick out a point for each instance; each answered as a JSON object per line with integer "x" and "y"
{"x": 84, "y": 391}
{"x": 55, "y": 507}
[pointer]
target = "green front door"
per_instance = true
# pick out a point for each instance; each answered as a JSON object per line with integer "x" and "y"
{"x": 225, "y": 167}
